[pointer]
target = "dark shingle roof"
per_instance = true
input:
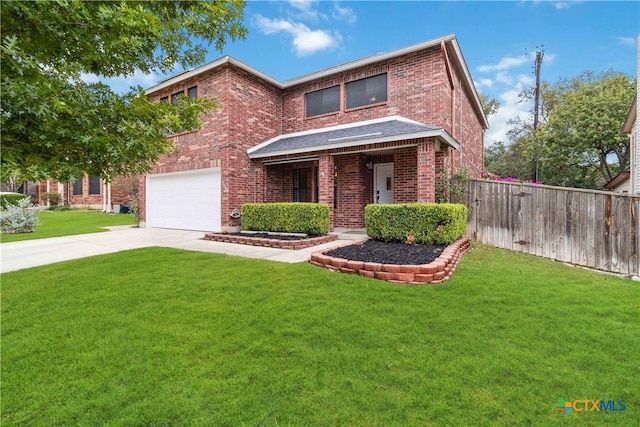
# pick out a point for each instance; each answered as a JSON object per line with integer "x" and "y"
{"x": 395, "y": 128}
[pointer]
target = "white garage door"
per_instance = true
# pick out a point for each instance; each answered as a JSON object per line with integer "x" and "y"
{"x": 184, "y": 200}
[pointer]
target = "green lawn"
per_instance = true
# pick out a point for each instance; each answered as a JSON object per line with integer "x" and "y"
{"x": 67, "y": 223}
{"x": 167, "y": 337}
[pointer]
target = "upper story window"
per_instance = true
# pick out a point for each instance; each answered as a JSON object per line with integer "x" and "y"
{"x": 94, "y": 185}
{"x": 192, "y": 92}
{"x": 322, "y": 101}
{"x": 367, "y": 91}
{"x": 164, "y": 99}
{"x": 174, "y": 97}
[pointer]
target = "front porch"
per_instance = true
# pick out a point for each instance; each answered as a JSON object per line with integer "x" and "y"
{"x": 347, "y": 169}
{"x": 349, "y": 182}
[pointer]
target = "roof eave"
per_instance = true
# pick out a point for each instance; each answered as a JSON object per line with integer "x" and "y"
{"x": 368, "y": 60}
{"x": 210, "y": 66}
{"x": 441, "y": 134}
{"x": 632, "y": 114}
{"x": 469, "y": 80}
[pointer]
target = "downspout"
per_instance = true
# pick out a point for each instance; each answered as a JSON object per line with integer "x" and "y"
{"x": 109, "y": 201}
{"x": 48, "y": 190}
{"x": 104, "y": 197}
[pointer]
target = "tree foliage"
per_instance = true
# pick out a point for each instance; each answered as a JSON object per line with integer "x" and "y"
{"x": 578, "y": 142}
{"x": 54, "y": 124}
{"x": 490, "y": 105}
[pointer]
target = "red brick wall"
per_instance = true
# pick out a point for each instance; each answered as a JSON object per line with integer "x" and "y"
{"x": 279, "y": 181}
{"x": 249, "y": 113}
{"x": 405, "y": 170}
{"x": 416, "y": 84}
{"x": 354, "y": 190}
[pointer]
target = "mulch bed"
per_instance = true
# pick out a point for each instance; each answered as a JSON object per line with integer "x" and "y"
{"x": 389, "y": 253}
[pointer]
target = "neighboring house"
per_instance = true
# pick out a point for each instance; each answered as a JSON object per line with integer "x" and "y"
{"x": 88, "y": 192}
{"x": 630, "y": 127}
{"x": 381, "y": 129}
{"x": 620, "y": 183}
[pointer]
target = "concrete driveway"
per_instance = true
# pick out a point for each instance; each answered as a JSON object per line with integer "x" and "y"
{"x": 33, "y": 253}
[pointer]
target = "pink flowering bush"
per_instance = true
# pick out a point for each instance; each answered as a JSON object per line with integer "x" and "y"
{"x": 493, "y": 177}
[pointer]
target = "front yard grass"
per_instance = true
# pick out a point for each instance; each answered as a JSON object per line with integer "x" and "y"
{"x": 68, "y": 223}
{"x": 167, "y": 337}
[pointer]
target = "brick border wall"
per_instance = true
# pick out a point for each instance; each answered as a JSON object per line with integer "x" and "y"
{"x": 271, "y": 243}
{"x": 435, "y": 272}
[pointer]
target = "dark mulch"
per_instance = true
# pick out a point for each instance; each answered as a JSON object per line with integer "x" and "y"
{"x": 270, "y": 236}
{"x": 389, "y": 253}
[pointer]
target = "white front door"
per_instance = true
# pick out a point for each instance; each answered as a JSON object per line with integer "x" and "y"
{"x": 383, "y": 183}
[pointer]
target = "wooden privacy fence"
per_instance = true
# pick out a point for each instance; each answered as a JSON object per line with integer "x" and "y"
{"x": 590, "y": 228}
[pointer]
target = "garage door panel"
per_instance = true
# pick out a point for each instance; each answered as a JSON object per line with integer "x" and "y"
{"x": 188, "y": 201}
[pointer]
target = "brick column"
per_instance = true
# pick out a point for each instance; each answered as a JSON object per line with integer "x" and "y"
{"x": 426, "y": 171}
{"x": 325, "y": 184}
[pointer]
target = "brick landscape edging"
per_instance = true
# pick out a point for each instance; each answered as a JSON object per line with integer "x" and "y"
{"x": 437, "y": 271}
{"x": 271, "y": 243}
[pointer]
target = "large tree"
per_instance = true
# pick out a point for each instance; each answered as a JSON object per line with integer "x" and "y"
{"x": 54, "y": 124}
{"x": 578, "y": 142}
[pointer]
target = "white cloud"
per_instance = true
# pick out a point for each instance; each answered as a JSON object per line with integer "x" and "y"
{"x": 305, "y": 40}
{"x": 121, "y": 84}
{"x": 627, "y": 41}
{"x": 306, "y": 10}
{"x": 484, "y": 83}
{"x": 524, "y": 80}
{"x": 557, "y": 4}
{"x": 504, "y": 64}
{"x": 344, "y": 14}
{"x": 504, "y": 78}
{"x": 510, "y": 108}
{"x": 565, "y": 4}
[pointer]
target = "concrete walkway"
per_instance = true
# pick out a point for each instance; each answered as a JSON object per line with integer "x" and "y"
{"x": 33, "y": 253}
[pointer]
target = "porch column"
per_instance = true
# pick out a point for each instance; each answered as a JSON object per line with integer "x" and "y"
{"x": 426, "y": 171}
{"x": 326, "y": 167}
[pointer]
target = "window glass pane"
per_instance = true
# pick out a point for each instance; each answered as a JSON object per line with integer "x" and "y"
{"x": 302, "y": 185}
{"x": 174, "y": 97}
{"x": 192, "y": 92}
{"x": 94, "y": 185}
{"x": 77, "y": 187}
{"x": 366, "y": 91}
{"x": 322, "y": 101}
{"x": 164, "y": 99}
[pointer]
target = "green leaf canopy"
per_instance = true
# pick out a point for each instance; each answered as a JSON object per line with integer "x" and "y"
{"x": 54, "y": 124}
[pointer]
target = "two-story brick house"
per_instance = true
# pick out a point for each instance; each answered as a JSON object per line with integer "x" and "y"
{"x": 381, "y": 129}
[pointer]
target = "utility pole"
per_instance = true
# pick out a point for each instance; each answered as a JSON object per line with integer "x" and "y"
{"x": 538, "y": 63}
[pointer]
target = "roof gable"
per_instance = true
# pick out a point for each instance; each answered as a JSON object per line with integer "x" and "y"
{"x": 449, "y": 40}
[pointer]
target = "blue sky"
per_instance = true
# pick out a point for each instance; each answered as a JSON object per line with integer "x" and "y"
{"x": 498, "y": 40}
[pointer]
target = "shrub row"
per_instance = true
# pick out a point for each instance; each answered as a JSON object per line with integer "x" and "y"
{"x": 309, "y": 218}
{"x": 434, "y": 223}
{"x": 10, "y": 199}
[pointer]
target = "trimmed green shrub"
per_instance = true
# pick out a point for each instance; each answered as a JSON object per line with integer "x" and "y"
{"x": 11, "y": 199}
{"x": 52, "y": 197}
{"x": 309, "y": 218}
{"x": 434, "y": 223}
